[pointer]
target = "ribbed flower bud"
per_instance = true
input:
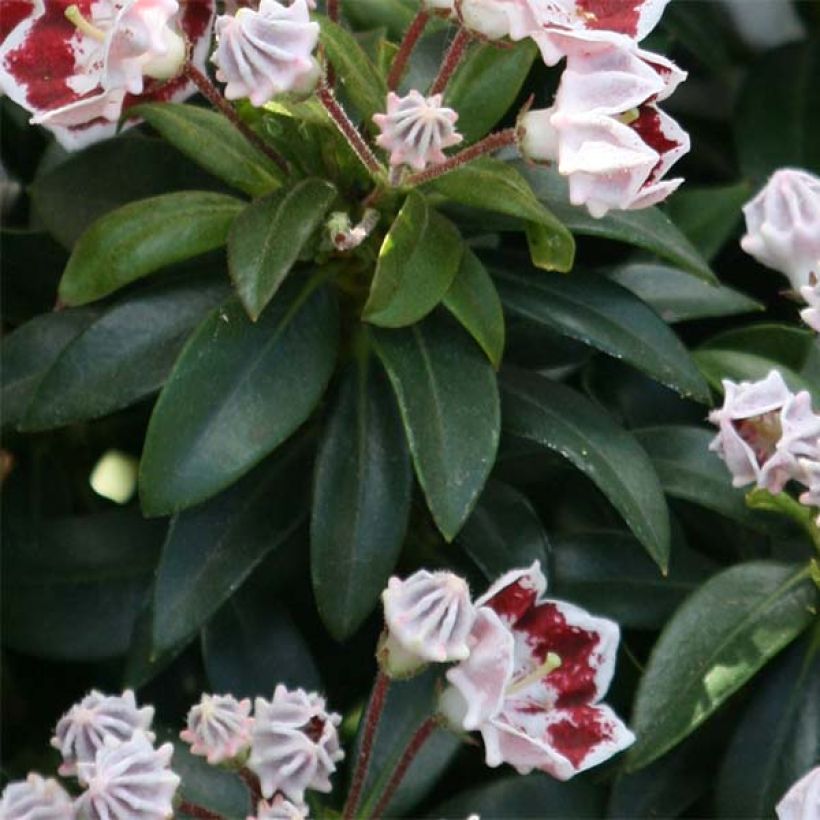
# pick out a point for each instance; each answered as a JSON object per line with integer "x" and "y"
{"x": 36, "y": 798}
{"x": 82, "y": 730}
{"x": 219, "y": 727}
{"x": 295, "y": 744}
{"x": 811, "y": 294}
{"x": 280, "y": 808}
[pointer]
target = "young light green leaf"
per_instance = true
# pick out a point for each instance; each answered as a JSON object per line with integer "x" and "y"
{"x": 143, "y": 237}
{"x": 268, "y": 237}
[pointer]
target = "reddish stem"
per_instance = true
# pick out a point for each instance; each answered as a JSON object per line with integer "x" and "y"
{"x": 371, "y": 723}
{"x": 333, "y": 11}
{"x": 490, "y": 143}
{"x": 408, "y": 43}
{"x": 194, "y": 810}
{"x": 347, "y": 129}
{"x": 215, "y": 98}
{"x": 252, "y": 782}
{"x": 413, "y": 748}
{"x": 451, "y": 60}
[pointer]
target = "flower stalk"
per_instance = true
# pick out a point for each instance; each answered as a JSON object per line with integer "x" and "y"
{"x": 408, "y": 44}
{"x": 451, "y": 61}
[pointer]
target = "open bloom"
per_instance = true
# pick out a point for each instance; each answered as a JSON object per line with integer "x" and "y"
{"x": 605, "y": 131}
{"x": 219, "y": 727}
{"x": 83, "y": 729}
{"x": 295, "y": 744}
{"x": 532, "y": 684}
{"x": 783, "y": 225}
{"x": 811, "y": 293}
{"x": 77, "y": 66}
{"x": 429, "y": 617}
{"x": 809, "y": 475}
{"x": 266, "y": 52}
{"x": 764, "y": 429}
{"x": 128, "y": 780}
{"x": 802, "y": 800}
{"x": 415, "y": 129}
{"x": 36, "y": 798}
{"x": 280, "y": 808}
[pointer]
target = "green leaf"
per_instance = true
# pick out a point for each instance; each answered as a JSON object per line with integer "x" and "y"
{"x": 122, "y": 356}
{"x": 604, "y": 315}
{"x": 503, "y": 532}
{"x": 212, "y": 141}
{"x": 785, "y": 344}
{"x": 361, "y": 499}
{"x": 357, "y": 75}
{"x": 143, "y": 237}
{"x": 486, "y": 84}
{"x": 238, "y": 390}
{"x": 562, "y": 420}
{"x": 418, "y": 261}
{"x": 394, "y": 15}
{"x": 718, "y": 639}
{"x": 677, "y": 296}
{"x": 212, "y": 549}
{"x": 473, "y": 300}
{"x": 649, "y": 228}
{"x": 777, "y": 739}
{"x": 32, "y": 265}
{"x": 777, "y": 117}
{"x": 493, "y": 185}
{"x": 269, "y": 236}
{"x": 448, "y": 398}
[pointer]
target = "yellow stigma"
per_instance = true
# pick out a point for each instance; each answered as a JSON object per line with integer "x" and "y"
{"x": 75, "y": 16}
{"x": 628, "y": 117}
{"x": 550, "y": 664}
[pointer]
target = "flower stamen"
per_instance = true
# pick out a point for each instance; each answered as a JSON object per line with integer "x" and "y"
{"x": 550, "y": 664}
{"x": 75, "y": 17}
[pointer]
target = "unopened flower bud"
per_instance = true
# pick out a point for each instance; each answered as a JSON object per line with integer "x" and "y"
{"x": 219, "y": 727}
{"x": 36, "y": 798}
{"x": 811, "y": 294}
{"x": 280, "y": 808}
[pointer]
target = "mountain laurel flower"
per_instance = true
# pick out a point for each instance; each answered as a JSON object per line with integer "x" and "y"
{"x": 494, "y": 19}
{"x": 267, "y": 52}
{"x": 809, "y": 475}
{"x": 77, "y": 67}
{"x": 280, "y": 808}
{"x": 605, "y": 130}
{"x": 811, "y": 294}
{"x": 764, "y": 429}
{"x": 36, "y": 798}
{"x": 219, "y": 727}
{"x": 295, "y": 744}
{"x": 83, "y": 729}
{"x": 128, "y": 780}
{"x": 533, "y": 681}
{"x": 416, "y": 129}
{"x": 429, "y": 617}
{"x": 783, "y": 225}
{"x": 802, "y": 800}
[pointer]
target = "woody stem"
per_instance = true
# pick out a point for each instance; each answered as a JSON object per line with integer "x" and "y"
{"x": 215, "y": 98}
{"x": 408, "y": 43}
{"x": 451, "y": 60}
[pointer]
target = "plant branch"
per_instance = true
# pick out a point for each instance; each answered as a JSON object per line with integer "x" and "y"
{"x": 252, "y": 782}
{"x": 371, "y": 723}
{"x": 215, "y": 98}
{"x": 408, "y": 43}
{"x": 451, "y": 60}
{"x": 334, "y": 10}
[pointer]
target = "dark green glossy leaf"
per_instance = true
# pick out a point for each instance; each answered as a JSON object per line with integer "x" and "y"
{"x": 197, "y": 131}
{"x": 448, "y": 399}
{"x": 784, "y": 344}
{"x": 238, "y": 390}
{"x": 394, "y": 15}
{"x": 268, "y": 237}
{"x": 122, "y": 356}
{"x": 473, "y": 300}
{"x": 143, "y": 237}
{"x": 361, "y": 499}
{"x": 562, "y": 420}
{"x": 418, "y": 260}
{"x": 608, "y": 317}
{"x": 718, "y": 639}
{"x": 32, "y": 265}
{"x": 702, "y": 28}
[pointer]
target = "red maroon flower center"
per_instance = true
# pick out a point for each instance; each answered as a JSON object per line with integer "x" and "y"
{"x": 761, "y": 433}
{"x": 314, "y": 728}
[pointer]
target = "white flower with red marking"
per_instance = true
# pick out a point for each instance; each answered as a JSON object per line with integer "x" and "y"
{"x": 416, "y": 129}
{"x": 77, "y": 66}
{"x": 534, "y": 680}
{"x": 267, "y": 52}
{"x": 83, "y": 729}
{"x": 219, "y": 727}
{"x": 36, "y": 798}
{"x": 802, "y": 800}
{"x": 295, "y": 743}
{"x": 605, "y": 131}
{"x": 764, "y": 429}
{"x": 280, "y": 808}
{"x": 811, "y": 295}
{"x": 783, "y": 225}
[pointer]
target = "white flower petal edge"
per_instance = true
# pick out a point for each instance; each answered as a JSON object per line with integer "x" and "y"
{"x": 36, "y": 798}
{"x": 802, "y": 800}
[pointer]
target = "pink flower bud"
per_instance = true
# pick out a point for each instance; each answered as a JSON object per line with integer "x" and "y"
{"x": 811, "y": 294}
{"x": 295, "y": 744}
{"x": 280, "y": 808}
{"x": 128, "y": 780}
{"x": 36, "y": 798}
{"x": 219, "y": 727}
{"x": 264, "y": 53}
{"x": 415, "y": 130}
{"x": 83, "y": 729}
{"x": 783, "y": 225}
{"x": 494, "y": 19}
{"x": 802, "y": 800}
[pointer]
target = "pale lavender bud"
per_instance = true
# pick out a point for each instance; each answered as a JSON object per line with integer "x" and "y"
{"x": 811, "y": 294}
{"x": 36, "y": 798}
{"x": 295, "y": 744}
{"x": 802, "y": 800}
{"x": 85, "y": 726}
{"x": 280, "y": 808}
{"x": 219, "y": 727}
